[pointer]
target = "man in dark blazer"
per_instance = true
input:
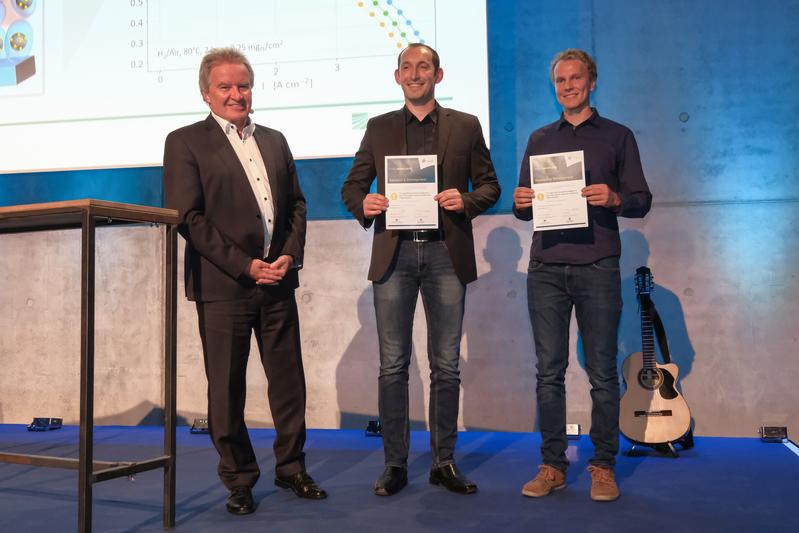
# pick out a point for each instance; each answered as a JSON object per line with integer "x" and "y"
{"x": 242, "y": 214}
{"x": 439, "y": 263}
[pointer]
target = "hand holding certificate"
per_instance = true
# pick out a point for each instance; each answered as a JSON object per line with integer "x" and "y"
{"x": 558, "y": 180}
{"x": 411, "y": 184}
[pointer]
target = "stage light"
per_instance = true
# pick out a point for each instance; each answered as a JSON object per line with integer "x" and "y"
{"x": 573, "y": 431}
{"x": 374, "y": 428}
{"x": 199, "y": 426}
{"x": 773, "y": 433}
{"x": 45, "y": 424}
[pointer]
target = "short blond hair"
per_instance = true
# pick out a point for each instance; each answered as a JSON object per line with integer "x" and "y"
{"x": 577, "y": 54}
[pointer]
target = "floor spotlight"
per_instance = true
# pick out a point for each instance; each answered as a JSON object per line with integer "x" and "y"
{"x": 374, "y": 428}
{"x": 199, "y": 426}
{"x": 45, "y": 424}
{"x": 773, "y": 433}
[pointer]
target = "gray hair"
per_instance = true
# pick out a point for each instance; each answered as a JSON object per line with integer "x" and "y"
{"x": 215, "y": 56}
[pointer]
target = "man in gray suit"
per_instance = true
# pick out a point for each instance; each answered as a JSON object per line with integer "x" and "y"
{"x": 242, "y": 214}
{"x": 439, "y": 263}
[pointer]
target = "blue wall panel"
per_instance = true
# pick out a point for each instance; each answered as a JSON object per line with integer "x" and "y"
{"x": 129, "y": 185}
{"x": 320, "y": 179}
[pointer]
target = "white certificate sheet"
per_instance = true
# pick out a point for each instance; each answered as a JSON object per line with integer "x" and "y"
{"x": 557, "y": 180}
{"x": 411, "y": 184}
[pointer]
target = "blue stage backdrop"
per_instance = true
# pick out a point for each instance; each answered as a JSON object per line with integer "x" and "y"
{"x": 709, "y": 89}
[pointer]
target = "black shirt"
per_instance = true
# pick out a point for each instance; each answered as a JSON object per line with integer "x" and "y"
{"x": 611, "y": 157}
{"x": 420, "y": 136}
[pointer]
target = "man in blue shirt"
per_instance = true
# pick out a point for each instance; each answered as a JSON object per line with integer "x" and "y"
{"x": 579, "y": 268}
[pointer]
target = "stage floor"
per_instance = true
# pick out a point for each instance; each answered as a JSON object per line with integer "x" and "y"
{"x": 722, "y": 484}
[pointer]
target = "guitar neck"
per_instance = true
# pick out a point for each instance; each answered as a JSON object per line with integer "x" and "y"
{"x": 647, "y": 333}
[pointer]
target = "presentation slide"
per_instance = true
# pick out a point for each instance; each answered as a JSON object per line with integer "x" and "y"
{"x": 100, "y": 83}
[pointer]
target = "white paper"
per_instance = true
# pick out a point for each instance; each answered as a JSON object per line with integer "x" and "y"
{"x": 557, "y": 180}
{"x": 411, "y": 184}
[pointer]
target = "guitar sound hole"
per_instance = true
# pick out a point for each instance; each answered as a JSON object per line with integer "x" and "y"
{"x": 650, "y": 378}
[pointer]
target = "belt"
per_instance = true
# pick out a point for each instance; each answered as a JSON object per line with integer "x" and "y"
{"x": 422, "y": 235}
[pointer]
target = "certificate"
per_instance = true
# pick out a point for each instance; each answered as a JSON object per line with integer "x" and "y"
{"x": 557, "y": 180}
{"x": 411, "y": 184}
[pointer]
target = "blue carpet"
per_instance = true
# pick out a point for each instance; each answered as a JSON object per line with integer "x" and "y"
{"x": 723, "y": 484}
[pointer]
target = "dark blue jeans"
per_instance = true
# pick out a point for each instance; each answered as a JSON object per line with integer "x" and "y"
{"x": 424, "y": 267}
{"x": 594, "y": 291}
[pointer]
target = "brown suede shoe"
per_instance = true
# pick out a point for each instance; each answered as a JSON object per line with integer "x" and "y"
{"x": 603, "y": 484}
{"x": 548, "y": 479}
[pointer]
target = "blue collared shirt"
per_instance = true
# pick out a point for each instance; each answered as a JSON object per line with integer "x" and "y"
{"x": 611, "y": 157}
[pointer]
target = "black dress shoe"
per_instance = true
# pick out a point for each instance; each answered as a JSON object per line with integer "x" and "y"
{"x": 239, "y": 501}
{"x": 391, "y": 481}
{"x": 451, "y": 478}
{"x": 302, "y": 484}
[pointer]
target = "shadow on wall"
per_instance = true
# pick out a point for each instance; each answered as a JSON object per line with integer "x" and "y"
{"x": 497, "y": 366}
{"x": 635, "y": 253}
{"x": 497, "y": 369}
{"x": 358, "y": 370}
{"x": 143, "y": 414}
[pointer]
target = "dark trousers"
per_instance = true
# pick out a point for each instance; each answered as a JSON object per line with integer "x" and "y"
{"x": 594, "y": 291}
{"x": 225, "y": 329}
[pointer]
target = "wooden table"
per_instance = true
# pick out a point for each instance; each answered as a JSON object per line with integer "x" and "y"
{"x": 88, "y": 215}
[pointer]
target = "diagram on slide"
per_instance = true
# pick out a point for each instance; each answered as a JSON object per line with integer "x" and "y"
{"x": 299, "y": 50}
{"x": 279, "y": 32}
{"x": 114, "y": 77}
{"x": 18, "y": 18}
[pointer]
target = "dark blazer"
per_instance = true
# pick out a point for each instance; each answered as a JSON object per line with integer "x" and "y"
{"x": 219, "y": 216}
{"x": 463, "y": 159}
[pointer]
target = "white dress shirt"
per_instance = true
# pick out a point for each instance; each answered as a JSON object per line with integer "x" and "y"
{"x": 250, "y": 157}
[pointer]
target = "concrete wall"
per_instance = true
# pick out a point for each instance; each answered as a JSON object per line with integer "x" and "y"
{"x": 709, "y": 89}
{"x": 728, "y": 313}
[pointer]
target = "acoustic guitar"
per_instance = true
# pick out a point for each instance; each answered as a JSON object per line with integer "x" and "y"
{"x": 652, "y": 410}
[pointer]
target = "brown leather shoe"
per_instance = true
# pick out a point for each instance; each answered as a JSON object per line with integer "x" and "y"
{"x": 603, "y": 484}
{"x": 548, "y": 479}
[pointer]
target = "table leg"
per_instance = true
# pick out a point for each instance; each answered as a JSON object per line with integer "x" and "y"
{"x": 85, "y": 455}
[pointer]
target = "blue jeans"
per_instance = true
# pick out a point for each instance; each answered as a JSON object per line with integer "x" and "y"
{"x": 594, "y": 290}
{"x": 424, "y": 267}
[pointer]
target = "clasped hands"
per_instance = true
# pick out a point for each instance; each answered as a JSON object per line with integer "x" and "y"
{"x": 599, "y": 195}
{"x": 270, "y": 273}
{"x": 450, "y": 199}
